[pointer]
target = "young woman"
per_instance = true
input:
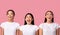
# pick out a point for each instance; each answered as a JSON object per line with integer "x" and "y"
{"x": 10, "y": 27}
{"x": 29, "y": 28}
{"x": 48, "y": 27}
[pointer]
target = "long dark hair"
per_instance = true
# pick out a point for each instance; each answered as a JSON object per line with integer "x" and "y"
{"x": 32, "y": 18}
{"x": 52, "y": 15}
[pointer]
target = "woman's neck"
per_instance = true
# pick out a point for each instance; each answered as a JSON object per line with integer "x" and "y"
{"x": 10, "y": 20}
{"x": 28, "y": 23}
{"x": 49, "y": 21}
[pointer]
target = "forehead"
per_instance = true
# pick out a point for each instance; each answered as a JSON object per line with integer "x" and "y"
{"x": 28, "y": 15}
{"x": 48, "y": 13}
{"x": 10, "y": 12}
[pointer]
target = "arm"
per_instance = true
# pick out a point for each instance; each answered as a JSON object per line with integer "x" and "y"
{"x": 40, "y": 32}
{"x": 57, "y": 31}
{"x": 1, "y": 31}
{"x": 18, "y": 32}
{"x": 37, "y": 32}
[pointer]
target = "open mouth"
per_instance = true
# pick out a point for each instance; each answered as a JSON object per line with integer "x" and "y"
{"x": 49, "y": 18}
{"x": 28, "y": 20}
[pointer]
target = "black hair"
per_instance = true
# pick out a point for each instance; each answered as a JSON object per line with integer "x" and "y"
{"x": 32, "y": 18}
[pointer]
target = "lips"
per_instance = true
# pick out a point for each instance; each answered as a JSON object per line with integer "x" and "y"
{"x": 28, "y": 20}
{"x": 10, "y": 17}
{"x": 49, "y": 18}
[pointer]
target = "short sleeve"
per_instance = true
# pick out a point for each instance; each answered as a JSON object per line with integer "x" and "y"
{"x": 57, "y": 26}
{"x": 20, "y": 28}
{"x": 2, "y": 25}
{"x": 37, "y": 28}
{"x": 18, "y": 25}
{"x": 41, "y": 26}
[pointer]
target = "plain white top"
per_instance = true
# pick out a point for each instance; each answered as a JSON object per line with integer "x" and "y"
{"x": 10, "y": 28}
{"x": 49, "y": 29}
{"x": 28, "y": 29}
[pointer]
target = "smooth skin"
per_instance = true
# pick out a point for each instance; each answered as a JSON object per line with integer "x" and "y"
{"x": 1, "y": 31}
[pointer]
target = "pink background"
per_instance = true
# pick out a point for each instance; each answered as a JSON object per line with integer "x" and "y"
{"x": 36, "y": 7}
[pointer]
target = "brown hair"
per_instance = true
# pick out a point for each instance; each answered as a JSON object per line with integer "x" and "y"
{"x": 52, "y": 15}
{"x": 12, "y": 11}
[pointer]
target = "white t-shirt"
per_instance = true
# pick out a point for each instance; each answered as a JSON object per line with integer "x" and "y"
{"x": 10, "y": 28}
{"x": 49, "y": 29}
{"x": 28, "y": 29}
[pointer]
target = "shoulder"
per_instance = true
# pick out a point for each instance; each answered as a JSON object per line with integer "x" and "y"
{"x": 56, "y": 24}
{"x": 3, "y": 23}
{"x": 59, "y": 26}
{"x": 35, "y": 26}
{"x": 42, "y": 24}
{"x": 22, "y": 26}
{"x": 16, "y": 23}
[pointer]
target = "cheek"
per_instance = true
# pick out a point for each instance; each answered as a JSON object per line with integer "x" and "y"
{"x": 11, "y": 16}
{"x": 25, "y": 19}
{"x": 8, "y": 15}
{"x": 46, "y": 16}
{"x": 49, "y": 17}
{"x": 30, "y": 19}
